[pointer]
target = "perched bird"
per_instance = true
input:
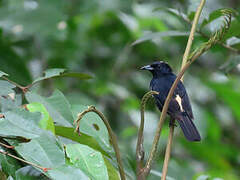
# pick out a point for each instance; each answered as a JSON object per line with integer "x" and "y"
{"x": 179, "y": 106}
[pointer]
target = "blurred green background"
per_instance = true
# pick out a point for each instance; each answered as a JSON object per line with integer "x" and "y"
{"x": 97, "y": 36}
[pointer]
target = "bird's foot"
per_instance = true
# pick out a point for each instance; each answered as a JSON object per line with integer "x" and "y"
{"x": 172, "y": 123}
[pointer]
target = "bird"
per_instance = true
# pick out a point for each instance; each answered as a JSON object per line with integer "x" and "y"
{"x": 179, "y": 107}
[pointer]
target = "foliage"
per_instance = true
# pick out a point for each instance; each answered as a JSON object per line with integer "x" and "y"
{"x": 108, "y": 41}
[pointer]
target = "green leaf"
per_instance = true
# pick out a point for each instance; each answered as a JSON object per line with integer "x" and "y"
{"x": 76, "y": 75}
{"x": 9, "y": 103}
{"x": 9, "y": 165}
{"x": 29, "y": 173}
{"x": 6, "y": 88}
{"x": 214, "y": 15}
{"x": 157, "y": 35}
{"x": 112, "y": 172}
{"x": 92, "y": 125}
{"x": 3, "y": 74}
{"x": 51, "y": 73}
{"x": 65, "y": 172}
{"x": 230, "y": 64}
{"x": 46, "y": 122}
{"x": 88, "y": 160}
{"x": 56, "y": 105}
{"x": 69, "y": 133}
{"x": 44, "y": 151}
{"x": 20, "y": 123}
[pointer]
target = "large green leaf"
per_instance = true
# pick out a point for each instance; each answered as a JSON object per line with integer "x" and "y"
{"x": 46, "y": 122}
{"x": 88, "y": 160}
{"x": 70, "y": 133}
{"x": 67, "y": 172}
{"x": 9, "y": 103}
{"x": 112, "y": 172}
{"x": 6, "y": 87}
{"x": 29, "y": 173}
{"x": 57, "y": 106}
{"x": 20, "y": 123}
{"x": 52, "y": 73}
{"x": 92, "y": 125}
{"x": 44, "y": 151}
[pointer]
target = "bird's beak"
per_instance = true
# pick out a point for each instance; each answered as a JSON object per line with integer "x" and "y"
{"x": 148, "y": 67}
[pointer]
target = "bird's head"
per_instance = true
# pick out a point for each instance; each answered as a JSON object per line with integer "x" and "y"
{"x": 158, "y": 68}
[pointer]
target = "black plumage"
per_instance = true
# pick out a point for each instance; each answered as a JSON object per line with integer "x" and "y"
{"x": 179, "y": 106}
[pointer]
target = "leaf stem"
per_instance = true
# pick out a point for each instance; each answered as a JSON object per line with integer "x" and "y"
{"x": 110, "y": 132}
{"x": 27, "y": 162}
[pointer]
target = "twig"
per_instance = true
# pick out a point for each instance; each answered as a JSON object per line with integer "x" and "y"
{"x": 6, "y": 146}
{"x": 193, "y": 29}
{"x": 113, "y": 138}
{"x": 168, "y": 151}
{"x": 184, "y": 61}
{"x": 27, "y": 162}
{"x": 140, "y": 148}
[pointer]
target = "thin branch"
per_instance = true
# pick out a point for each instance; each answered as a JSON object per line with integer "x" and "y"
{"x": 6, "y": 146}
{"x": 168, "y": 150}
{"x": 112, "y": 136}
{"x": 27, "y": 162}
{"x": 193, "y": 29}
{"x": 15, "y": 84}
{"x": 140, "y": 148}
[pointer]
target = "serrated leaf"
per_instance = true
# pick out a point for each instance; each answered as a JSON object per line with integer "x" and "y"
{"x": 157, "y": 35}
{"x": 88, "y": 160}
{"x": 44, "y": 151}
{"x": 67, "y": 172}
{"x": 46, "y": 122}
{"x": 87, "y": 126}
{"x": 57, "y": 72}
{"x": 56, "y": 105}
{"x": 20, "y": 123}
{"x": 70, "y": 133}
{"x": 3, "y": 74}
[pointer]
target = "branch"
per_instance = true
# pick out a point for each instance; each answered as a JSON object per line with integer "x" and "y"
{"x": 140, "y": 148}
{"x": 184, "y": 61}
{"x": 112, "y": 136}
{"x": 193, "y": 29}
{"x": 27, "y": 162}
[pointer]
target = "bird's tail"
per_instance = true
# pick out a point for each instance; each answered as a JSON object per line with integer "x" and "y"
{"x": 189, "y": 129}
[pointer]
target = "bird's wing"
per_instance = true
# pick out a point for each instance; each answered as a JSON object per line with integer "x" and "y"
{"x": 180, "y": 95}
